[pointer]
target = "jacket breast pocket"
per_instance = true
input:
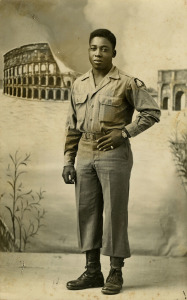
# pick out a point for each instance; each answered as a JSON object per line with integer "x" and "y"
{"x": 110, "y": 108}
{"x": 80, "y": 106}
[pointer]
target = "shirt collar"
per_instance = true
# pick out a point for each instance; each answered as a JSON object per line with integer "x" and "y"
{"x": 113, "y": 73}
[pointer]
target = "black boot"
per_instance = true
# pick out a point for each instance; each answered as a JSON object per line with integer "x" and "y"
{"x": 93, "y": 276}
{"x": 114, "y": 280}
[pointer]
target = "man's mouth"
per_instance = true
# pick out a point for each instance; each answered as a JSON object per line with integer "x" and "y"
{"x": 97, "y": 61}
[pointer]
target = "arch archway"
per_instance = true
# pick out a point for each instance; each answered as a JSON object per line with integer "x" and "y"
{"x": 35, "y": 94}
{"x": 19, "y": 92}
{"x": 165, "y": 103}
{"x": 24, "y": 92}
{"x": 58, "y": 94}
{"x": 10, "y": 91}
{"x": 14, "y": 92}
{"x": 43, "y": 94}
{"x": 50, "y": 95}
{"x": 43, "y": 80}
{"x": 51, "y": 80}
{"x": 30, "y": 80}
{"x": 36, "y": 80}
{"x": 29, "y": 93}
{"x": 178, "y": 102}
{"x": 66, "y": 95}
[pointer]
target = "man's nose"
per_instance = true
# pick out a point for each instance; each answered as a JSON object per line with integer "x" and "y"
{"x": 98, "y": 52}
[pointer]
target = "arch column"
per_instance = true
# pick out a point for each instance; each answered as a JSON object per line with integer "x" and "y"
{"x": 46, "y": 94}
{"x": 39, "y": 94}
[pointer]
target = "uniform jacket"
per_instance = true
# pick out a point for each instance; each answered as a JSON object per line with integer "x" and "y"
{"x": 108, "y": 106}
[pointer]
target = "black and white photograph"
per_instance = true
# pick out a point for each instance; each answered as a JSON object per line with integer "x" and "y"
{"x": 93, "y": 149}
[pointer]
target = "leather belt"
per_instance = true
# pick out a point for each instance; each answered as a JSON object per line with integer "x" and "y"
{"x": 92, "y": 135}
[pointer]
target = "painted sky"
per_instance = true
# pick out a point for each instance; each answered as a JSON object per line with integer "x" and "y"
{"x": 151, "y": 34}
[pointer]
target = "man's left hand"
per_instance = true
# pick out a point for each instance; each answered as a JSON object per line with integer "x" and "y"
{"x": 110, "y": 140}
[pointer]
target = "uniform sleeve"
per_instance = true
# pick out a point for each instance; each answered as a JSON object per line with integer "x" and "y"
{"x": 143, "y": 102}
{"x": 72, "y": 135}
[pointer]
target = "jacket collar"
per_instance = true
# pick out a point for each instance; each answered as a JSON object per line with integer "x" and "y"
{"x": 113, "y": 73}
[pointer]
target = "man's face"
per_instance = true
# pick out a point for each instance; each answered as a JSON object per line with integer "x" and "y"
{"x": 101, "y": 53}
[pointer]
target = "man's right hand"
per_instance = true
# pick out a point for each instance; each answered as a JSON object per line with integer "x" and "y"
{"x": 69, "y": 174}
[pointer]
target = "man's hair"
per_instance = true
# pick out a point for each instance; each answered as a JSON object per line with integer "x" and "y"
{"x": 107, "y": 34}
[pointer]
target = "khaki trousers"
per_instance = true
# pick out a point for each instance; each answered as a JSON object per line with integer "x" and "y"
{"x": 102, "y": 192}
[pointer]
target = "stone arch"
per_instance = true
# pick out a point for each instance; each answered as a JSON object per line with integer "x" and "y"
{"x": 66, "y": 95}
{"x": 14, "y": 93}
{"x": 24, "y": 92}
{"x": 69, "y": 83}
{"x": 51, "y": 80}
{"x": 178, "y": 100}
{"x": 36, "y": 80}
{"x": 24, "y": 80}
{"x": 19, "y": 80}
{"x": 58, "y": 94}
{"x": 29, "y": 93}
{"x": 19, "y": 92}
{"x": 50, "y": 94}
{"x": 43, "y": 94}
{"x": 43, "y": 80}
{"x": 165, "y": 103}
{"x": 51, "y": 68}
{"x": 35, "y": 93}
{"x": 29, "y": 80}
{"x": 10, "y": 91}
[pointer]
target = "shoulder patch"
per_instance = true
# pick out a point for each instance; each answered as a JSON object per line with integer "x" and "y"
{"x": 138, "y": 82}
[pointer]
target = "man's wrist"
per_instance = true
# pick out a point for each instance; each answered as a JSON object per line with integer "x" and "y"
{"x": 125, "y": 134}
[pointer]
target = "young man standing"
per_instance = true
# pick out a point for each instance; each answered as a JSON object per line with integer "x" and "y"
{"x": 99, "y": 126}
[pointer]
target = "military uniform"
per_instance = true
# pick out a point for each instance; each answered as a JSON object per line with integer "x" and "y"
{"x": 103, "y": 176}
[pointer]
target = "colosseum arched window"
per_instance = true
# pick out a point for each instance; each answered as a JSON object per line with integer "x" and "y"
{"x": 14, "y": 91}
{"x": 20, "y": 70}
{"x": 30, "y": 68}
{"x": 10, "y": 81}
{"x": 58, "y": 95}
{"x": 51, "y": 68}
{"x": 50, "y": 95}
{"x": 19, "y": 80}
{"x": 24, "y": 69}
{"x": 43, "y": 67}
{"x": 9, "y": 72}
{"x": 51, "y": 80}
{"x": 36, "y": 68}
{"x": 29, "y": 80}
{"x": 10, "y": 91}
{"x": 35, "y": 93}
{"x": 15, "y": 80}
{"x": 43, "y": 80}
{"x": 36, "y": 80}
{"x": 58, "y": 81}
{"x": 24, "y": 80}
{"x": 19, "y": 92}
{"x": 29, "y": 93}
{"x": 24, "y": 92}
{"x": 68, "y": 83}
{"x": 43, "y": 94}
{"x": 66, "y": 95}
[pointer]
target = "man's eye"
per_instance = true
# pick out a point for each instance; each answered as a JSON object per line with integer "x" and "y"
{"x": 93, "y": 49}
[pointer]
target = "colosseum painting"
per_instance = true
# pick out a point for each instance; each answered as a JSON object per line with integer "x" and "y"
{"x": 34, "y": 72}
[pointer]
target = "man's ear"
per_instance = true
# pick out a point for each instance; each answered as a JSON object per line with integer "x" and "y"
{"x": 114, "y": 53}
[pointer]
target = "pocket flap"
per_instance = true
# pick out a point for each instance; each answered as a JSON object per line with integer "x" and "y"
{"x": 80, "y": 98}
{"x": 113, "y": 101}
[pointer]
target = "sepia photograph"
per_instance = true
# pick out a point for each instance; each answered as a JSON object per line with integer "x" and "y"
{"x": 93, "y": 149}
